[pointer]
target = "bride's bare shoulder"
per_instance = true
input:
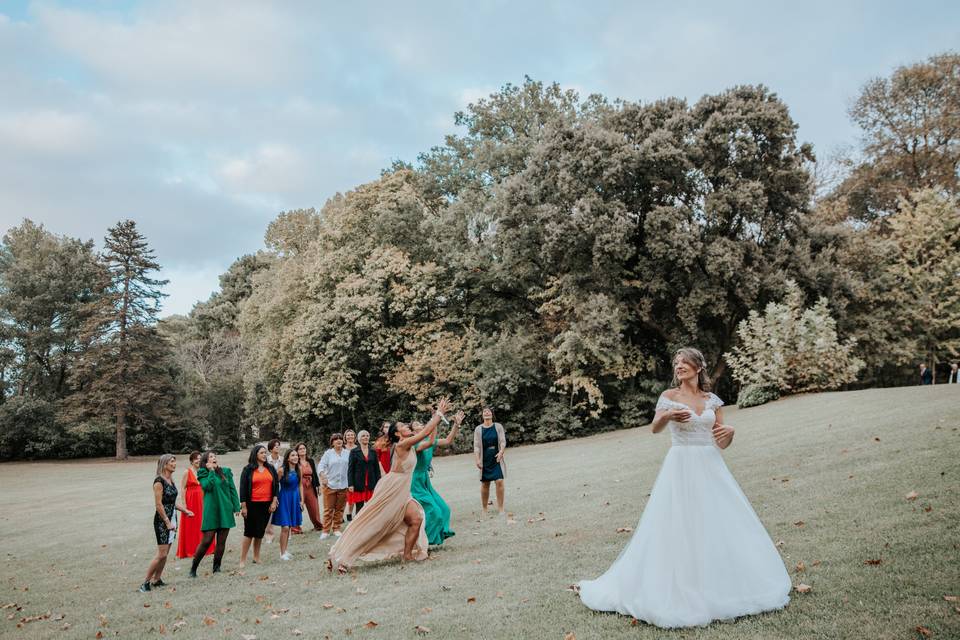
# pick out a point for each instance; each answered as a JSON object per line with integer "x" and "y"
{"x": 671, "y": 394}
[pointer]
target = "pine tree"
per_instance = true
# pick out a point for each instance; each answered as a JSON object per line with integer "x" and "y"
{"x": 125, "y": 374}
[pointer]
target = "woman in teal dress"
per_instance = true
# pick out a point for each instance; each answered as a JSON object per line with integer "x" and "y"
{"x": 435, "y": 509}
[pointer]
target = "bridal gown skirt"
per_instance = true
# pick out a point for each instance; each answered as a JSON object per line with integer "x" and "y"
{"x": 698, "y": 554}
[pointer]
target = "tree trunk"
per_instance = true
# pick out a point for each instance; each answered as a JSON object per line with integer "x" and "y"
{"x": 121, "y": 433}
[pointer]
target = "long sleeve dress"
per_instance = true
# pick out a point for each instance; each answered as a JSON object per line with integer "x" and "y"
{"x": 435, "y": 509}
{"x": 220, "y": 499}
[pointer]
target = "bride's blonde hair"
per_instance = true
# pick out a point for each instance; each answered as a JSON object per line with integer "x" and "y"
{"x": 694, "y": 358}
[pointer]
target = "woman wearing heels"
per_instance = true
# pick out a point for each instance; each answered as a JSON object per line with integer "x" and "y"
{"x": 164, "y": 522}
{"x": 699, "y": 552}
{"x": 221, "y": 506}
{"x": 391, "y": 524}
{"x": 188, "y": 529}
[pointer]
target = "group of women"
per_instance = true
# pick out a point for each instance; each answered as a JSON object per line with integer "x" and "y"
{"x": 384, "y": 488}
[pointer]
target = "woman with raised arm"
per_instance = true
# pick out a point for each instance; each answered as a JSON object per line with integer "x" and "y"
{"x": 164, "y": 523}
{"x": 391, "y": 524}
{"x": 188, "y": 530}
{"x": 435, "y": 509}
{"x": 363, "y": 472}
{"x": 221, "y": 506}
{"x": 489, "y": 446}
{"x": 699, "y": 552}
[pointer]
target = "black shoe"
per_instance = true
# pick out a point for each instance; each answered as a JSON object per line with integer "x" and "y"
{"x": 159, "y": 583}
{"x": 349, "y": 518}
{"x": 193, "y": 573}
{"x": 145, "y": 587}
{"x": 216, "y": 568}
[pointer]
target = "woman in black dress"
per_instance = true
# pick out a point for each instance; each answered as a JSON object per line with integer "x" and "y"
{"x": 363, "y": 472}
{"x": 164, "y": 521}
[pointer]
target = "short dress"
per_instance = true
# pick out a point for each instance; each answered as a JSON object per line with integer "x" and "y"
{"x": 288, "y": 512}
{"x": 169, "y": 502}
{"x": 491, "y": 447}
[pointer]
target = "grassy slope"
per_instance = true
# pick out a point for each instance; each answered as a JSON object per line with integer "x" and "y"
{"x": 78, "y": 537}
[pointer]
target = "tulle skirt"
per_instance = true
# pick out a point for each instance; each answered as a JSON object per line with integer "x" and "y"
{"x": 698, "y": 554}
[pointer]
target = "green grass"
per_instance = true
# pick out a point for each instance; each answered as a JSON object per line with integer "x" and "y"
{"x": 77, "y": 538}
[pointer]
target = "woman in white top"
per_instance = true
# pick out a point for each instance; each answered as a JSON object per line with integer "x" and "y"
{"x": 333, "y": 484}
{"x": 699, "y": 552}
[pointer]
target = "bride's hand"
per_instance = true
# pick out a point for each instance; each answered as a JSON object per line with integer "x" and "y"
{"x": 443, "y": 406}
{"x": 680, "y": 415}
{"x": 722, "y": 435}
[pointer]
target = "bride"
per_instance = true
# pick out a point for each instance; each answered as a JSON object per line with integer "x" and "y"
{"x": 699, "y": 553}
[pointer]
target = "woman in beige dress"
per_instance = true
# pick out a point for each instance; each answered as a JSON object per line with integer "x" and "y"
{"x": 391, "y": 524}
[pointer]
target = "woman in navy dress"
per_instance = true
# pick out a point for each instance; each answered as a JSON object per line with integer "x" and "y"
{"x": 489, "y": 446}
{"x": 289, "y": 511}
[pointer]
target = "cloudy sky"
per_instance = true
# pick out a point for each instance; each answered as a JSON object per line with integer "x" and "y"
{"x": 203, "y": 119}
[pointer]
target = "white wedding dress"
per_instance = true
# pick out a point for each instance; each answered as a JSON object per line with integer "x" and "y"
{"x": 699, "y": 552}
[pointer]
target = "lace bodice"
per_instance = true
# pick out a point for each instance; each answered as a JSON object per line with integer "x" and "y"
{"x": 698, "y": 431}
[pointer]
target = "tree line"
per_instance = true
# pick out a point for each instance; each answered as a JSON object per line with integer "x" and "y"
{"x": 546, "y": 260}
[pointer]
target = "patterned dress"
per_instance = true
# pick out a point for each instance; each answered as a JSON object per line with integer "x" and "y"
{"x": 169, "y": 502}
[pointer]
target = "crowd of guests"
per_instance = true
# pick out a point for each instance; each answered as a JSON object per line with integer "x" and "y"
{"x": 383, "y": 489}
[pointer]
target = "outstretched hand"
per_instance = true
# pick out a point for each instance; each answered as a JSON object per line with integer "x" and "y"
{"x": 443, "y": 405}
{"x": 458, "y": 418}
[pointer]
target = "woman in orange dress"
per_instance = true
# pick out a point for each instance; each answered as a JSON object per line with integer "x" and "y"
{"x": 189, "y": 535}
{"x": 309, "y": 487}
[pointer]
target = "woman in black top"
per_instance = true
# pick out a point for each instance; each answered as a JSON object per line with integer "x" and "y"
{"x": 259, "y": 489}
{"x": 164, "y": 522}
{"x": 363, "y": 471}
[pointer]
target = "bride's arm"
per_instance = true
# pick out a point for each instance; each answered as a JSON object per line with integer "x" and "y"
{"x": 427, "y": 430}
{"x": 722, "y": 434}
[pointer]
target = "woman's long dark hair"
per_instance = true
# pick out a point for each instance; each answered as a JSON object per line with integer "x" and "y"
{"x": 286, "y": 461}
{"x": 252, "y": 462}
{"x": 393, "y": 434}
{"x": 206, "y": 458}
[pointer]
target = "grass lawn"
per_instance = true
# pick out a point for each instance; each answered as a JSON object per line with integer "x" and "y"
{"x": 828, "y": 474}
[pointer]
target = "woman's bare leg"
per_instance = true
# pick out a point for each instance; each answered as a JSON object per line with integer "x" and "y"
{"x": 256, "y": 549}
{"x": 156, "y": 565}
{"x": 500, "y": 492}
{"x": 244, "y": 549}
{"x": 484, "y": 495}
{"x": 413, "y": 518}
{"x": 284, "y": 539}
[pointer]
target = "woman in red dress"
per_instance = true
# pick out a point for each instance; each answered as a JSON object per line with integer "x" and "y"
{"x": 384, "y": 448}
{"x": 188, "y": 537}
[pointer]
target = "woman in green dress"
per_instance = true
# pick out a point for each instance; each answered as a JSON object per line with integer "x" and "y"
{"x": 221, "y": 506}
{"x": 435, "y": 510}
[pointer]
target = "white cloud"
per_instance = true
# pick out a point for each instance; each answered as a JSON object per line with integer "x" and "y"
{"x": 272, "y": 168}
{"x": 48, "y": 131}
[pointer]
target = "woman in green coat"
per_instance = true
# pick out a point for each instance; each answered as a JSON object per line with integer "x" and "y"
{"x": 221, "y": 506}
{"x": 436, "y": 512}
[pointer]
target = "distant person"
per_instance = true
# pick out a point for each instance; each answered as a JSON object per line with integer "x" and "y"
{"x": 259, "y": 493}
{"x": 384, "y": 447}
{"x": 363, "y": 472}
{"x": 333, "y": 469}
{"x": 188, "y": 529}
{"x": 489, "y": 446}
{"x": 221, "y": 506}
{"x": 954, "y": 377}
{"x": 349, "y": 444}
{"x": 309, "y": 488}
{"x": 275, "y": 460}
{"x": 164, "y": 520}
{"x": 926, "y": 375}
{"x": 289, "y": 511}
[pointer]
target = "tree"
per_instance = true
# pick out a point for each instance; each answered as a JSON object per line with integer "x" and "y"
{"x": 126, "y": 369}
{"x": 790, "y": 349}
{"x": 911, "y": 128}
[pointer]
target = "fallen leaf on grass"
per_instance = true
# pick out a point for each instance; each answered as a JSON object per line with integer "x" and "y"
{"x": 471, "y": 599}
{"x": 207, "y": 620}
{"x": 341, "y": 610}
{"x": 951, "y": 598}
{"x": 426, "y": 610}
{"x": 311, "y": 556}
{"x": 371, "y": 625}
{"x": 803, "y": 588}
{"x": 801, "y": 567}
{"x": 361, "y": 591}
{"x": 263, "y": 578}
{"x": 296, "y": 632}
{"x": 624, "y": 529}
{"x": 927, "y": 509}
{"x": 66, "y": 626}
{"x": 162, "y": 629}
{"x": 327, "y": 605}
{"x": 570, "y": 635}
{"x": 146, "y": 605}
{"x": 913, "y": 495}
{"x": 179, "y": 623}
{"x": 420, "y": 629}
{"x": 573, "y": 588}
{"x": 225, "y": 610}
{"x": 922, "y": 630}
{"x": 873, "y": 562}
{"x": 99, "y": 635}
{"x": 780, "y": 543}
{"x": 103, "y": 620}
{"x": 799, "y": 523}
{"x": 247, "y": 636}
{"x": 815, "y": 563}
{"x": 499, "y": 594}
{"x": 167, "y": 605}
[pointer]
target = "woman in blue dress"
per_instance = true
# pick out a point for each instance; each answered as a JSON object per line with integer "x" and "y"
{"x": 289, "y": 511}
{"x": 489, "y": 446}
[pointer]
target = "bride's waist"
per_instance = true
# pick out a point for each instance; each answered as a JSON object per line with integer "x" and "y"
{"x": 692, "y": 439}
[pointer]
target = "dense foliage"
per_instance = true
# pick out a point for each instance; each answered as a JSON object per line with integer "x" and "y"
{"x": 546, "y": 260}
